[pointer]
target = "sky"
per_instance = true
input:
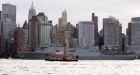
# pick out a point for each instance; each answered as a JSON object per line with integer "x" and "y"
{"x": 79, "y": 10}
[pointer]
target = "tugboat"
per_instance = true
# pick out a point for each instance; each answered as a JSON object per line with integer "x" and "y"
{"x": 66, "y": 56}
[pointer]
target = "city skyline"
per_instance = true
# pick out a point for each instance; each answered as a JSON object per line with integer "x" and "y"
{"x": 53, "y": 9}
{"x": 39, "y": 34}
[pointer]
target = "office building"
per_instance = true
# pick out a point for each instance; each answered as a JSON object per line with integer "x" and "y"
{"x": 112, "y": 34}
{"x": 134, "y": 35}
{"x": 25, "y": 35}
{"x": 86, "y": 34}
{"x": 33, "y": 33}
{"x": 45, "y": 28}
{"x": 96, "y": 35}
{"x": 8, "y": 19}
{"x": 64, "y": 17}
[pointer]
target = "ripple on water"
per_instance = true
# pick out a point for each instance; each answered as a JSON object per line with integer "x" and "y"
{"x": 29, "y": 67}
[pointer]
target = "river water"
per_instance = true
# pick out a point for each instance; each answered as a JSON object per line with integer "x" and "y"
{"x": 88, "y": 67}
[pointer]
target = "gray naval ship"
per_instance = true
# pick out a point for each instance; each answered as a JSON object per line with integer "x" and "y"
{"x": 81, "y": 54}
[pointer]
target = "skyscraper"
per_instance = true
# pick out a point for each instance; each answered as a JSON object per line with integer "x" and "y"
{"x": 0, "y": 15}
{"x": 129, "y": 33}
{"x": 60, "y": 28}
{"x": 44, "y": 29}
{"x": 86, "y": 34}
{"x": 64, "y": 17}
{"x": 96, "y": 35}
{"x": 62, "y": 21}
{"x": 112, "y": 34}
{"x": 8, "y": 26}
{"x": 42, "y": 17}
{"x": 135, "y": 30}
{"x": 9, "y": 10}
{"x": 0, "y": 22}
{"x": 32, "y": 12}
{"x": 18, "y": 40}
{"x": 33, "y": 33}
{"x": 33, "y": 29}
{"x": 134, "y": 35}
{"x": 8, "y": 19}
{"x": 25, "y": 35}
{"x": 0, "y": 37}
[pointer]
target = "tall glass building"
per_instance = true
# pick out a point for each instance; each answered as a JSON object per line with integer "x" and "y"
{"x": 112, "y": 31}
{"x": 8, "y": 19}
{"x": 86, "y": 34}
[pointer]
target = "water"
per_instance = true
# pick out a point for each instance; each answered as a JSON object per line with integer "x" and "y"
{"x": 95, "y": 67}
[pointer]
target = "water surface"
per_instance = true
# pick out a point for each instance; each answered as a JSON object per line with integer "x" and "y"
{"x": 94, "y": 67}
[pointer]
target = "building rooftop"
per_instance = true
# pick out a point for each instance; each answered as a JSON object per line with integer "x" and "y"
{"x": 86, "y": 22}
{"x": 25, "y": 25}
{"x": 41, "y": 14}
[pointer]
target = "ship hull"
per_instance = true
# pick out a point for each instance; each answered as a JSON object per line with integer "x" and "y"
{"x": 32, "y": 55}
{"x": 43, "y": 56}
{"x": 122, "y": 57}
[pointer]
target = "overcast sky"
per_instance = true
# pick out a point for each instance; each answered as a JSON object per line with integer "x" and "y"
{"x": 79, "y": 10}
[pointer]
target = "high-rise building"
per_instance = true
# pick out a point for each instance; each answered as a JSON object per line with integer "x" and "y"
{"x": 8, "y": 26}
{"x": 86, "y": 34}
{"x": 25, "y": 35}
{"x": 33, "y": 33}
{"x": 135, "y": 30}
{"x": 33, "y": 29}
{"x": 70, "y": 29}
{"x": 124, "y": 43}
{"x": 112, "y": 34}
{"x": 101, "y": 39}
{"x": 1, "y": 46}
{"x": 0, "y": 21}
{"x": 64, "y": 17}
{"x": 32, "y": 12}
{"x": 134, "y": 35}
{"x": 54, "y": 37}
{"x": 60, "y": 27}
{"x": 42, "y": 17}
{"x": 129, "y": 33}
{"x": 96, "y": 35}
{"x": 18, "y": 40}
{"x": 8, "y": 19}
{"x": 45, "y": 28}
{"x": 9, "y": 10}
{"x": 0, "y": 15}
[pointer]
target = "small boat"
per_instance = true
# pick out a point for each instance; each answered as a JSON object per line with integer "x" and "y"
{"x": 66, "y": 58}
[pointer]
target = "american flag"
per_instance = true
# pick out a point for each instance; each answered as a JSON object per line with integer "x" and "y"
{"x": 59, "y": 52}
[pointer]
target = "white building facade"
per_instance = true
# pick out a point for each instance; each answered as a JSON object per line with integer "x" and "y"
{"x": 45, "y": 28}
{"x": 86, "y": 34}
{"x": 45, "y": 34}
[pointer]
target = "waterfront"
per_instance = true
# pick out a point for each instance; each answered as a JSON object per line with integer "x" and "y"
{"x": 82, "y": 67}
